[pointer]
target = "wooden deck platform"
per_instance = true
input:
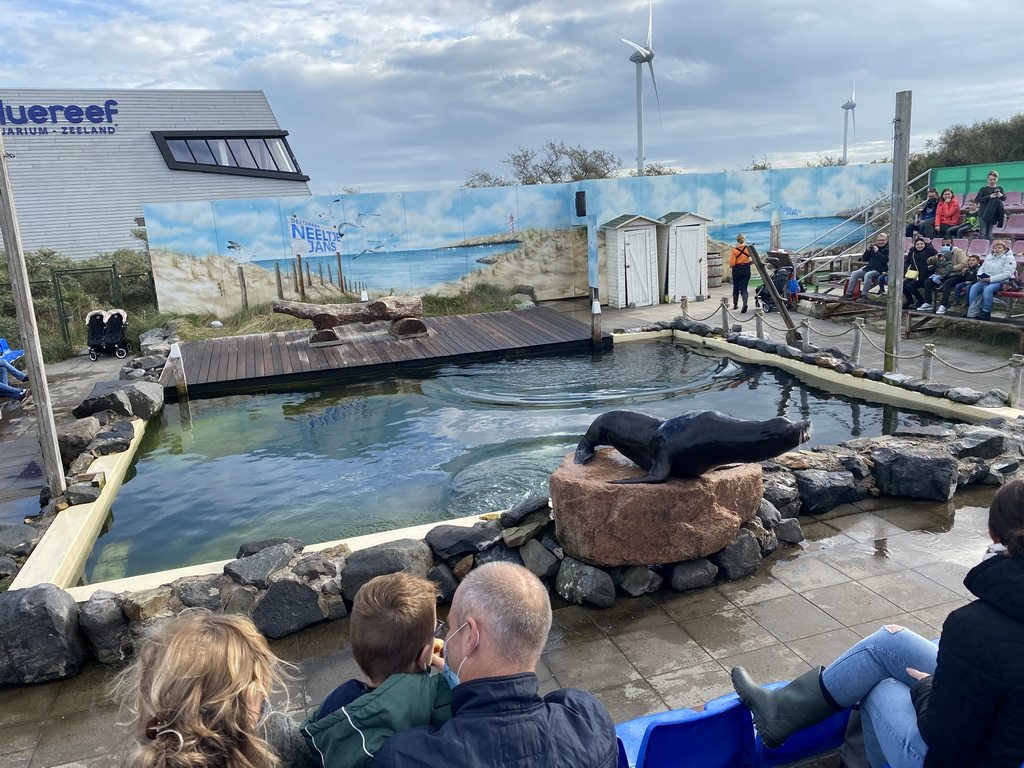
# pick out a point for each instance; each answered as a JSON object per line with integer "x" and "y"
{"x": 237, "y": 363}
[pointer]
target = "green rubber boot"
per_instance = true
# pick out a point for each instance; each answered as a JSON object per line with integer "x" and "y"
{"x": 781, "y": 713}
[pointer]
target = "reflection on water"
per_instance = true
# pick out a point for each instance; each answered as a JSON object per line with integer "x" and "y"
{"x": 346, "y": 460}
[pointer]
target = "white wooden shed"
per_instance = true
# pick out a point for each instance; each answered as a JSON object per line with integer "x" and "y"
{"x": 682, "y": 255}
{"x": 631, "y": 252}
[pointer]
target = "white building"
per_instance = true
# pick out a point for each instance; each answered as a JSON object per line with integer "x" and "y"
{"x": 86, "y": 161}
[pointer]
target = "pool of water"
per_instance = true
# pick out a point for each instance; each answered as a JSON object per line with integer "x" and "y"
{"x": 333, "y": 462}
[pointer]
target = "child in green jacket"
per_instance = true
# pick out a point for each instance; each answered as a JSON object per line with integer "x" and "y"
{"x": 392, "y": 630}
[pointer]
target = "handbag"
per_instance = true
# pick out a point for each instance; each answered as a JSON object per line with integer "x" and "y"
{"x": 911, "y": 274}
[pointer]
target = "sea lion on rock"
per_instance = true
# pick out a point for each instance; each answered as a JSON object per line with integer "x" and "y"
{"x": 691, "y": 444}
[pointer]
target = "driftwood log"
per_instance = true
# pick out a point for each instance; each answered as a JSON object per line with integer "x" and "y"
{"x": 404, "y": 312}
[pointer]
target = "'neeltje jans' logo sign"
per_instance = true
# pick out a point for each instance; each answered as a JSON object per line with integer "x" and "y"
{"x": 43, "y": 120}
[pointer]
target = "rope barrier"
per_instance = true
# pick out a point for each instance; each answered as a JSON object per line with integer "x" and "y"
{"x": 832, "y": 335}
{"x": 965, "y": 370}
{"x": 898, "y": 357}
{"x": 774, "y": 327}
{"x": 702, "y": 319}
{"x": 738, "y": 319}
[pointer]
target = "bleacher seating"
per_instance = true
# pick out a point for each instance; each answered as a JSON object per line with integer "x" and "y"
{"x": 978, "y": 247}
{"x": 1014, "y": 201}
{"x": 961, "y": 243}
{"x": 8, "y": 354}
{"x": 1018, "y": 248}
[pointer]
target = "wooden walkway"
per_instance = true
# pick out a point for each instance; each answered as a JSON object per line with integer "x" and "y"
{"x": 236, "y": 363}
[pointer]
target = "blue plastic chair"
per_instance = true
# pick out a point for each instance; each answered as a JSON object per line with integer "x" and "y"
{"x": 826, "y": 735}
{"x": 722, "y": 736}
{"x": 8, "y": 354}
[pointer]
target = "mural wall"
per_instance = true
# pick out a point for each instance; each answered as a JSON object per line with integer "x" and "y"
{"x": 442, "y": 241}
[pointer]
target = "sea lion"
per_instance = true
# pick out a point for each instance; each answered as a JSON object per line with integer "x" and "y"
{"x": 691, "y": 444}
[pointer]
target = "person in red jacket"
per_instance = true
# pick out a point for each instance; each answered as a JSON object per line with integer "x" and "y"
{"x": 947, "y": 213}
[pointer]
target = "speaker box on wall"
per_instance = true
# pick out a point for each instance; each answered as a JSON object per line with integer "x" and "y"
{"x": 581, "y": 203}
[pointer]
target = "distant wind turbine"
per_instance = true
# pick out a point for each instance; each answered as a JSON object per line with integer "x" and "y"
{"x": 643, "y": 55}
{"x": 849, "y": 108}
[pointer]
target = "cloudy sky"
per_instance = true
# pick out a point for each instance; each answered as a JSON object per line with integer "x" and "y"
{"x": 398, "y": 96}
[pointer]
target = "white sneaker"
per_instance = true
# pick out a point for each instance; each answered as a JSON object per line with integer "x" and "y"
{"x": 925, "y": 307}
{"x": 941, "y": 310}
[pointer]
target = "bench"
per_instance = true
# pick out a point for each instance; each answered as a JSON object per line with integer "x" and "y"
{"x": 8, "y": 354}
{"x": 918, "y": 321}
{"x": 838, "y": 306}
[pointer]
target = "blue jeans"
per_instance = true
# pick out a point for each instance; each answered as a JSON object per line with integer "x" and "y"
{"x": 5, "y": 389}
{"x": 981, "y": 297}
{"x": 873, "y": 672}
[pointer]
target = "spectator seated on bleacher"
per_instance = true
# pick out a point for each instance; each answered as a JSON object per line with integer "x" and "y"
{"x": 947, "y": 264}
{"x": 925, "y": 221}
{"x": 958, "y": 704}
{"x": 918, "y": 272}
{"x": 1000, "y": 265}
{"x": 970, "y": 222}
{"x": 8, "y": 391}
{"x": 877, "y": 258}
{"x": 959, "y": 283}
{"x": 947, "y": 212}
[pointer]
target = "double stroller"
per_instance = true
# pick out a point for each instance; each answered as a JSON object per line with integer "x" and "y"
{"x": 780, "y": 278}
{"x": 108, "y": 333}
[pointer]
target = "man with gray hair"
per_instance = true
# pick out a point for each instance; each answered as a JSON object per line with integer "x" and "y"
{"x": 497, "y": 627}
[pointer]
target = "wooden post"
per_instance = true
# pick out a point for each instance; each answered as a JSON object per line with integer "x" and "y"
{"x": 309, "y": 276}
{"x": 300, "y": 284}
{"x": 241, "y": 285}
{"x": 277, "y": 279}
{"x": 929, "y": 359}
{"x": 595, "y": 319}
{"x": 330, "y": 275}
{"x": 792, "y": 334}
{"x": 1016, "y": 371}
{"x": 341, "y": 284}
{"x": 775, "y": 232}
{"x": 725, "y": 314}
{"x": 320, "y": 268}
{"x": 759, "y": 323}
{"x": 858, "y": 339}
{"x": 897, "y": 214}
{"x": 22, "y": 293}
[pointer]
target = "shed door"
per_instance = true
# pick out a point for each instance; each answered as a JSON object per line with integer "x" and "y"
{"x": 639, "y": 289}
{"x": 687, "y": 264}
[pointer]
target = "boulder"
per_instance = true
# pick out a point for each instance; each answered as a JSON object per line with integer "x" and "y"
{"x": 286, "y": 607}
{"x": 239, "y": 600}
{"x": 766, "y": 539}
{"x": 449, "y": 541}
{"x": 538, "y": 560}
{"x": 789, "y": 531}
{"x": 17, "y": 538}
{"x": 258, "y": 568}
{"x": 131, "y": 374}
{"x": 314, "y": 565}
{"x": 199, "y": 591}
{"x": 581, "y": 583}
{"x": 115, "y": 437}
{"x": 781, "y": 490}
{"x": 964, "y": 395}
{"x": 147, "y": 398}
{"x": 75, "y": 436}
{"x": 693, "y": 574}
{"x": 463, "y": 566}
{"x": 637, "y": 581}
{"x": 821, "y": 491}
{"x": 768, "y": 514}
{"x": 39, "y": 636}
{"x": 994, "y": 398}
{"x": 148, "y": 605}
{"x": 499, "y": 553}
{"x": 143, "y": 399}
{"x": 8, "y": 567}
{"x": 252, "y": 547}
{"x": 519, "y": 534}
{"x": 103, "y": 621}
{"x": 522, "y": 510}
{"x": 445, "y": 580}
{"x": 680, "y": 519}
{"x": 410, "y": 555}
{"x": 917, "y": 472}
{"x": 148, "y": 362}
{"x": 981, "y": 444}
{"x": 83, "y": 493}
{"x": 741, "y": 558}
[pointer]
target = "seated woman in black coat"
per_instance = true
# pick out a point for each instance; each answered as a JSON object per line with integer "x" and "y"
{"x": 961, "y": 704}
{"x": 917, "y": 261}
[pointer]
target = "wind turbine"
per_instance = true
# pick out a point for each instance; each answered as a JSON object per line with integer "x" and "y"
{"x": 643, "y": 55}
{"x": 849, "y": 108}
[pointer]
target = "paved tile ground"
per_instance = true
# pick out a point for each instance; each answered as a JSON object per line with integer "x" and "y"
{"x": 862, "y": 565}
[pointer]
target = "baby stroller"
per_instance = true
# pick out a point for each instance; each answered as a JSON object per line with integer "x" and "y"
{"x": 107, "y": 332}
{"x": 763, "y": 297}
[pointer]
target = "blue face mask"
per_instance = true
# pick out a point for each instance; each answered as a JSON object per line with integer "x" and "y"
{"x": 947, "y": 248}
{"x": 453, "y": 677}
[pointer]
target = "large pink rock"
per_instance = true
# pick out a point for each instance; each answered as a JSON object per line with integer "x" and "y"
{"x": 642, "y": 524}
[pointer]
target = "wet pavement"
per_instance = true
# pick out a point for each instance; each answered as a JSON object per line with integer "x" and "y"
{"x": 863, "y": 565}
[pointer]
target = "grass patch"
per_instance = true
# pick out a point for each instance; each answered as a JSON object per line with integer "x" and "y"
{"x": 482, "y": 297}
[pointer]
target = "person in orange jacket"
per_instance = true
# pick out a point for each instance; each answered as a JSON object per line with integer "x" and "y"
{"x": 739, "y": 261}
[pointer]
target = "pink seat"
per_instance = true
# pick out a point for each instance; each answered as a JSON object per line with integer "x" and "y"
{"x": 978, "y": 247}
{"x": 1014, "y": 224}
{"x": 907, "y": 242}
{"x": 1013, "y": 198}
{"x": 959, "y": 199}
{"x": 961, "y": 243}
{"x": 970, "y": 196}
{"x": 1018, "y": 248}
{"x": 937, "y": 243}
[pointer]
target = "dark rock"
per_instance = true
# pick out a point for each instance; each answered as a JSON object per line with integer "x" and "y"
{"x": 781, "y": 490}
{"x": 809, "y": 357}
{"x": 17, "y": 538}
{"x": 739, "y": 559}
{"x": 75, "y": 436}
{"x": 455, "y": 540}
{"x": 980, "y": 443}
{"x": 679, "y": 324}
{"x": 930, "y": 430}
{"x": 914, "y": 385}
{"x": 131, "y": 374}
{"x": 410, "y": 555}
{"x": 972, "y": 471}
{"x": 856, "y": 466}
{"x": 732, "y": 337}
{"x": 789, "y": 531}
{"x": 522, "y": 510}
{"x": 964, "y": 395}
{"x": 843, "y": 366}
{"x": 700, "y": 329}
{"x": 527, "y": 529}
{"x": 105, "y": 396}
{"x": 8, "y": 567}
{"x": 538, "y": 560}
{"x": 874, "y": 374}
{"x": 199, "y": 591}
{"x": 768, "y": 514}
{"x": 81, "y": 463}
{"x": 994, "y": 398}
{"x": 637, "y": 580}
{"x": 286, "y": 607}
{"x": 314, "y": 565}
{"x": 581, "y": 583}
{"x": 246, "y": 550}
{"x": 916, "y": 472}
{"x": 836, "y": 352}
{"x": 747, "y": 341}
{"x": 896, "y": 379}
{"x": 1005, "y": 466}
{"x": 103, "y": 621}
{"x": 239, "y": 600}
{"x": 83, "y": 493}
{"x": 257, "y": 569}
{"x": 821, "y": 491}
{"x": 858, "y": 372}
{"x": 149, "y": 362}
{"x": 788, "y": 352}
{"x": 693, "y": 574}
{"x": 934, "y": 389}
{"x": 499, "y": 553}
{"x": 115, "y": 437}
{"x": 552, "y": 546}
{"x": 766, "y": 345}
{"x": 766, "y": 539}
{"x": 446, "y": 582}
{"x": 813, "y": 348}
{"x": 149, "y": 604}
{"x": 39, "y": 636}
{"x": 332, "y": 606}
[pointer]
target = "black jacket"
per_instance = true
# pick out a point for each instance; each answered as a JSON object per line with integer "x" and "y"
{"x": 971, "y": 711}
{"x": 991, "y": 208}
{"x": 918, "y": 260}
{"x": 503, "y": 722}
{"x": 877, "y": 261}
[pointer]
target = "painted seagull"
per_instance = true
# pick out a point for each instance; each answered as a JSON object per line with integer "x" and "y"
{"x": 379, "y": 247}
{"x": 360, "y": 218}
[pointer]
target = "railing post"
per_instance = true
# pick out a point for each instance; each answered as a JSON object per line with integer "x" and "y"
{"x": 858, "y": 339}
{"x": 759, "y": 323}
{"x": 805, "y": 327}
{"x": 684, "y": 307}
{"x": 725, "y": 314}
{"x": 928, "y": 350}
{"x": 1016, "y": 371}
